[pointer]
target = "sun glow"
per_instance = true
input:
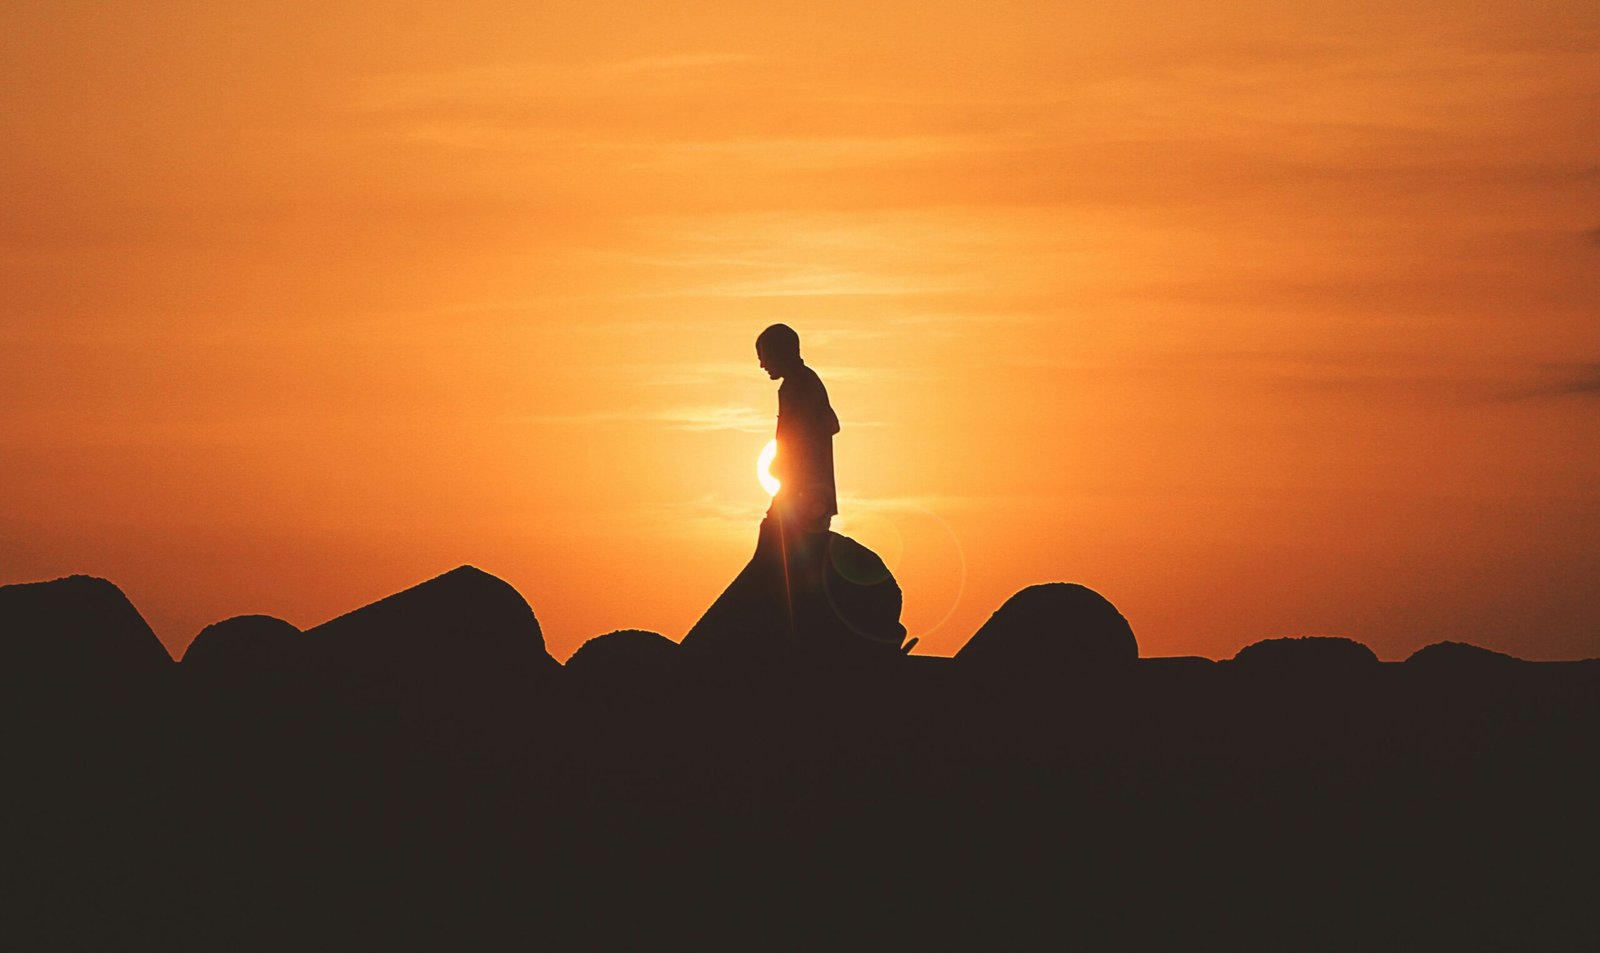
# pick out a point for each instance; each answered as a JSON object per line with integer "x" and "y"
{"x": 764, "y": 468}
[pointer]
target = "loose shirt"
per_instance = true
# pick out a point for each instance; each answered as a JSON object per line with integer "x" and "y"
{"x": 804, "y": 464}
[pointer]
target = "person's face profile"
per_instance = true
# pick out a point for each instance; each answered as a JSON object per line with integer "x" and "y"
{"x": 767, "y": 364}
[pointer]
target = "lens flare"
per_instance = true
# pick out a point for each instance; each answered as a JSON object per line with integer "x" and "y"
{"x": 764, "y": 468}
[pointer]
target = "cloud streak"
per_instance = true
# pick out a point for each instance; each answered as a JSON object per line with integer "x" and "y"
{"x": 510, "y": 83}
{"x": 729, "y": 374}
{"x": 702, "y": 418}
{"x": 1570, "y": 380}
{"x": 705, "y": 418}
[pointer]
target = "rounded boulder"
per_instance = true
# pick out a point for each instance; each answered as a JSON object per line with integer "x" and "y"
{"x": 626, "y": 653}
{"x": 1054, "y": 627}
{"x": 244, "y": 644}
{"x": 1312, "y": 654}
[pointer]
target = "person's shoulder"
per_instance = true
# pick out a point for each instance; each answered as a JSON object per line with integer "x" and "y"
{"x": 805, "y": 379}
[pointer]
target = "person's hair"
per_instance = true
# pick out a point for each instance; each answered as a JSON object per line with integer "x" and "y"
{"x": 780, "y": 340}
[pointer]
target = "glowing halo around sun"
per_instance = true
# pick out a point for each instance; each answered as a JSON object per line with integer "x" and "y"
{"x": 764, "y": 468}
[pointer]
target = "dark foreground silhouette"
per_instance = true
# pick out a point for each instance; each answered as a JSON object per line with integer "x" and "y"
{"x": 846, "y": 611}
{"x": 421, "y": 774}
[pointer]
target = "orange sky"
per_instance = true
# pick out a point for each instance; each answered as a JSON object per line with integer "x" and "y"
{"x": 1259, "y": 319}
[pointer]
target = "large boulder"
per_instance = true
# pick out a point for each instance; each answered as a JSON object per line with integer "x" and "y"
{"x": 747, "y": 621}
{"x": 77, "y": 629}
{"x": 1308, "y": 655}
{"x": 1460, "y": 657}
{"x": 457, "y": 634}
{"x": 837, "y": 601}
{"x": 863, "y": 598}
{"x": 625, "y": 653}
{"x": 246, "y": 644}
{"x": 1053, "y": 628}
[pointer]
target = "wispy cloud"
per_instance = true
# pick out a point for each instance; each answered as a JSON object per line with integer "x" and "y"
{"x": 654, "y": 67}
{"x": 706, "y": 374}
{"x": 924, "y": 253}
{"x": 709, "y": 514}
{"x": 932, "y": 504}
{"x": 1354, "y": 375}
{"x": 725, "y": 417}
{"x": 727, "y": 374}
{"x": 716, "y": 417}
{"x": 817, "y": 282}
{"x": 521, "y": 82}
{"x": 776, "y": 153}
{"x": 1564, "y": 380}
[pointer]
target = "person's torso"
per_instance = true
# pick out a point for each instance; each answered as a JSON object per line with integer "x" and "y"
{"x": 806, "y": 425}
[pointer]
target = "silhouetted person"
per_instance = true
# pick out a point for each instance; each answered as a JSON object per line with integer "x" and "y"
{"x": 807, "y": 592}
{"x": 806, "y": 501}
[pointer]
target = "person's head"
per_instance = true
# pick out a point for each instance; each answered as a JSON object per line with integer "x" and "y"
{"x": 778, "y": 350}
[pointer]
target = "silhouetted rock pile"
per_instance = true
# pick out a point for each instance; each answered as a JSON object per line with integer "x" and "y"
{"x": 849, "y": 614}
{"x": 1317, "y": 655}
{"x": 1460, "y": 657}
{"x": 446, "y": 638}
{"x": 626, "y": 653}
{"x": 77, "y": 629}
{"x": 246, "y": 644}
{"x": 862, "y": 593}
{"x": 421, "y": 774}
{"x": 1059, "y": 629}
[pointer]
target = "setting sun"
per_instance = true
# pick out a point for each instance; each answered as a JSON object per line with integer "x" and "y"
{"x": 769, "y": 482}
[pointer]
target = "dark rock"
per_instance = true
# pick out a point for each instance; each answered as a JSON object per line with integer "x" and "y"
{"x": 1052, "y": 628}
{"x": 1460, "y": 657}
{"x": 77, "y": 628}
{"x": 1182, "y": 664}
{"x": 626, "y": 652}
{"x": 246, "y": 643}
{"x": 837, "y": 601}
{"x": 457, "y": 633}
{"x": 862, "y": 593}
{"x": 748, "y": 620}
{"x": 1312, "y": 654}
